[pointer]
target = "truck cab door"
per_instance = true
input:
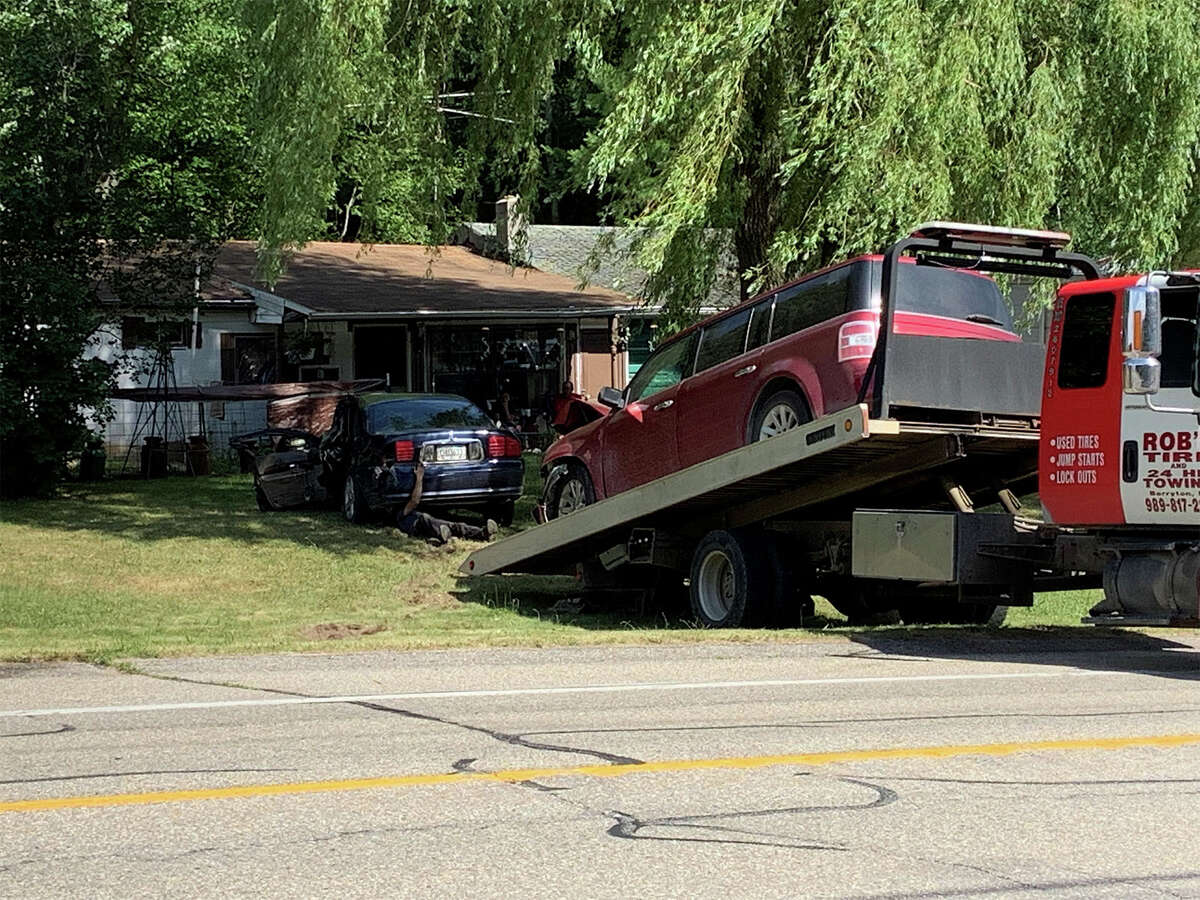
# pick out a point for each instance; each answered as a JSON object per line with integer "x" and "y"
{"x": 1160, "y": 459}
{"x": 1079, "y": 465}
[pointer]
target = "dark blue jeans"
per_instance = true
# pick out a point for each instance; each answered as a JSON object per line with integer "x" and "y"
{"x": 423, "y": 525}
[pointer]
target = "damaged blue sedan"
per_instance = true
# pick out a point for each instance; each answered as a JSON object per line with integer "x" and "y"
{"x": 368, "y": 455}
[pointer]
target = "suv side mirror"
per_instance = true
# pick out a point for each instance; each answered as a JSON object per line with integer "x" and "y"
{"x": 1141, "y": 340}
{"x": 611, "y": 397}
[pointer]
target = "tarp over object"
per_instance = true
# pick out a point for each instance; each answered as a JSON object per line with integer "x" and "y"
{"x": 233, "y": 392}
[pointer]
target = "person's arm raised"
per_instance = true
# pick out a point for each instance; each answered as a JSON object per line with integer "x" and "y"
{"x": 418, "y": 480}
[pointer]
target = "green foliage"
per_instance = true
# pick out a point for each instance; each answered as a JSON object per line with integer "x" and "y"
{"x": 52, "y": 97}
{"x": 408, "y": 101}
{"x": 122, "y": 142}
{"x": 829, "y": 129}
{"x": 812, "y": 130}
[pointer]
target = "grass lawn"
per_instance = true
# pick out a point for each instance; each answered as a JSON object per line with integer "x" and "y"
{"x": 189, "y": 566}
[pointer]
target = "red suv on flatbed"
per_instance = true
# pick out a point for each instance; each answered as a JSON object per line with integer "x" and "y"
{"x": 760, "y": 368}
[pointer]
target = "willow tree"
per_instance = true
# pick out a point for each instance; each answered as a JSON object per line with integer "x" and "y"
{"x": 807, "y": 130}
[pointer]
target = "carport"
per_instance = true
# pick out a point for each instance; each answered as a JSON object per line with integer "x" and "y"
{"x": 175, "y": 424}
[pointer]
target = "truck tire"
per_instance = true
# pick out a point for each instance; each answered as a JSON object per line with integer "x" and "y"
{"x": 571, "y": 492}
{"x": 780, "y": 412}
{"x": 730, "y": 581}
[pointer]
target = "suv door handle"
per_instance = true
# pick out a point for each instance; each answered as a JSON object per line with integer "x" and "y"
{"x": 745, "y": 370}
{"x": 664, "y": 404}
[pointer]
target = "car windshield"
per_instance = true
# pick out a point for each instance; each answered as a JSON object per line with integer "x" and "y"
{"x": 413, "y": 414}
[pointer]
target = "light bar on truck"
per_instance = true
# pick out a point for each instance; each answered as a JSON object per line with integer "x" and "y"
{"x": 992, "y": 234}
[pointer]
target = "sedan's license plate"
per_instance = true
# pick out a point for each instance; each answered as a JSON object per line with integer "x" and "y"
{"x": 452, "y": 453}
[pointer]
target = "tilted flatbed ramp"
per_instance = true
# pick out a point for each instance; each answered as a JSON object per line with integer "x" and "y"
{"x": 829, "y": 460}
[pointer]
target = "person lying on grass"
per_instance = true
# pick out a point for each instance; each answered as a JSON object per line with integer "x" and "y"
{"x": 437, "y": 531}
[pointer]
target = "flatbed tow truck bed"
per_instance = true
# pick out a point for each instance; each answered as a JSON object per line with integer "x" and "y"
{"x": 823, "y": 468}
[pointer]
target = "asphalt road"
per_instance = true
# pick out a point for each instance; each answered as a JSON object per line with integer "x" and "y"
{"x": 884, "y": 767}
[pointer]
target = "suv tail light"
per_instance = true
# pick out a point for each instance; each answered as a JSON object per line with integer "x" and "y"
{"x": 503, "y": 445}
{"x": 856, "y": 340}
{"x": 404, "y": 451}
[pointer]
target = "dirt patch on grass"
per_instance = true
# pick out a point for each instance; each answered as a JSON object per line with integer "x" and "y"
{"x": 336, "y": 631}
{"x": 425, "y": 592}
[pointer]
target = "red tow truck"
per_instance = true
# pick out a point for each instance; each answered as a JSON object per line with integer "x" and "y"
{"x": 1119, "y": 463}
{"x": 882, "y": 507}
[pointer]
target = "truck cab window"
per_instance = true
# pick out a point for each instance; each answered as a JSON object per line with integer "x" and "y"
{"x": 1180, "y": 339}
{"x": 1086, "y": 338}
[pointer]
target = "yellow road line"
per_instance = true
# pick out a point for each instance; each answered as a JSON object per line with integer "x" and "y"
{"x": 600, "y": 771}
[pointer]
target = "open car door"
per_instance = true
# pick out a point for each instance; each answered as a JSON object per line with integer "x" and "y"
{"x": 286, "y": 464}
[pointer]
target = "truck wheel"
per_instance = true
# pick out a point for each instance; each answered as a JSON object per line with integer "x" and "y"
{"x": 571, "y": 493}
{"x": 782, "y": 411}
{"x": 353, "y": 507}
{"x": 729, "y": 584}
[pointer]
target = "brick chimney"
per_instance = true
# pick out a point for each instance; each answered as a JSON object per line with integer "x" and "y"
{"x": 510, "y": 229}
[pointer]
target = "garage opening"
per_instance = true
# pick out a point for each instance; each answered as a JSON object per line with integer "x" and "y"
{"x": 381, "y": 351}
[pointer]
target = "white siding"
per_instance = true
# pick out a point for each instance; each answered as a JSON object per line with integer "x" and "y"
{"x": 192, "y": 367}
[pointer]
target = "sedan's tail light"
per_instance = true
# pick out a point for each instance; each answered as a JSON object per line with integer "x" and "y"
{"x": 856, "y": 340}
{"x": 404, "y": 451}
{"x": 503, "y": 445}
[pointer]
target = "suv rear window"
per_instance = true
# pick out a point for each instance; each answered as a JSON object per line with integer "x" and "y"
{"x": 391, "y": 416}
{"x": 950, "y": 293}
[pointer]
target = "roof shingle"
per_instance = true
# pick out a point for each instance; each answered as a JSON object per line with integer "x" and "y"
{"x": 337, "y": 278}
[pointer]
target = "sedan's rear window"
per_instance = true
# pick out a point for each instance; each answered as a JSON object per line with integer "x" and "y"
{"x": 391, "y": 416}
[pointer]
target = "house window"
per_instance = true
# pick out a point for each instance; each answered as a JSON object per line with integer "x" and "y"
{"x": 136, "y": 331}
{"x": 248, "y": 358}
{"x": 482, "y": 362}
{"x": 320, "y": 373}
